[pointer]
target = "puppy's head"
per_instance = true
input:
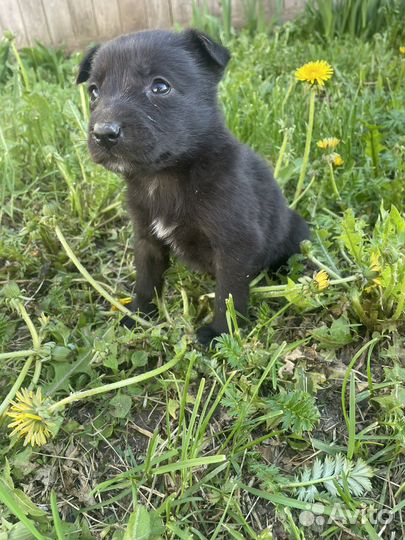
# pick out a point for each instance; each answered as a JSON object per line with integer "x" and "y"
{"x": 153, "y": 98}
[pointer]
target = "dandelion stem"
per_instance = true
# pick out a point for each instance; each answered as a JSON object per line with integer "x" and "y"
{"x": 287, "y": 95}
{"x": 36, "y": 340}
{"x": 27, "y": 319}
{"x": 16, "y": 386}
{"x": 303, "y": 193}
{"x": 94, "y": 283}
{"x": 120, "y": 384}
{"x": 332, "y": 180}
{"x": 37, "y": 373}
{"x": 16, "y": 354}
{"x": 280, "y": 290}
{"x": 323, "y": 266}
{"x": 308, "y": 140}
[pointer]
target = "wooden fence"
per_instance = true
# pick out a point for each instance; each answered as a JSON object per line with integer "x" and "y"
{"x": 76, "y": 23}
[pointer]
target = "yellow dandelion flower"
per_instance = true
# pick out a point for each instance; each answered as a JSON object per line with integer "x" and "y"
{"x": 315, "y": 72}
{"x": 321, "y": 280}
{"x": 402, "y": 50}
{"x": 328, "y": 143}
{"x": 337, "y": 159}
{"x": 29, "y": 419}
{"x": 123, "y": 302}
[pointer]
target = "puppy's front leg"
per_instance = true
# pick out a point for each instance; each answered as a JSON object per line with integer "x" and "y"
{"x": 151, "y": 261}
{"x": 228, "y": 281}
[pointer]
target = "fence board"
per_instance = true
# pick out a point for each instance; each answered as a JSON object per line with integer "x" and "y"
{"x": 83, "y": 21}
{"x": 182, "y": 11}
{"x": 107, "y": 16}
{"x": 133, "y": 15}
{"x": 292, "y": 7}
{"x": 59, "y": 21}
{"x": 11, "y": 19}
{"x": 35, "y": 22}
{"x": 76, "y": 23}
{"x": 158, "y": 13}
{"x": 238, "y": 13}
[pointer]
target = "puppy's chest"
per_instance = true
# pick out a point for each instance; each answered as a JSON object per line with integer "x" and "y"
{"x": 175, "y": 220}
{"x": 168, "y": 229}
{"x": 181, "y": 233}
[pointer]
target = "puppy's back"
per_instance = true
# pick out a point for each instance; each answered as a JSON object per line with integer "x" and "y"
{"x": 282, "y": 227}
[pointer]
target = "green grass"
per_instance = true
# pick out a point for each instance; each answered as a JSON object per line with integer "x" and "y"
{"x": 361, "y": 18}
{"x": 297, "y": 415}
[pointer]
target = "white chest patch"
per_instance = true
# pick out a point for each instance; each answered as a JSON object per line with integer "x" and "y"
{"x": 153, "y": 187}
{"x": 161, "y": 230}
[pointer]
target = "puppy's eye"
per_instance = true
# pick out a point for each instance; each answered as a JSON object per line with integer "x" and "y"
{"x": 93, "y": 91}
{"x": 160, "y": 86}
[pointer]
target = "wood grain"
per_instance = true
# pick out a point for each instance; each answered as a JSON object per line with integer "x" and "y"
{"x": 77, "y": 23}
{"x": 11, "y": 19}
{"x": 107, "y": 15}
{"x": 83, "y": 21}
{"x": 133, "y": 15}
{"x": 158, "y": 14}
{"x": 59, "y": 21}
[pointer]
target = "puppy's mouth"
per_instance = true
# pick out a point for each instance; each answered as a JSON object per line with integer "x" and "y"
{"x": 115, "y": 162}
{"x": 109, "y": 160}
{"x": 117, "y": 166}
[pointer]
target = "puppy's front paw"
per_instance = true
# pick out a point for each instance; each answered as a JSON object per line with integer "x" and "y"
{"x": 127, "y": 322}
{"x": 206, "y": 334}
{"x": 145, "y": 310}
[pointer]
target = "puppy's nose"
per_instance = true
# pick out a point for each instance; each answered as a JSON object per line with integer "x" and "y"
{"x": 106, "y": 133}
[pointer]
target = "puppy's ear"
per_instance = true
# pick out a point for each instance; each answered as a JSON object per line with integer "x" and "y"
{"x": 85, "y": 65}
{"x": 214, "y": 55}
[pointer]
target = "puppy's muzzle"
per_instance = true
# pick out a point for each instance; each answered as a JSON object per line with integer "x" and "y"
{"x": 106, "y": 134}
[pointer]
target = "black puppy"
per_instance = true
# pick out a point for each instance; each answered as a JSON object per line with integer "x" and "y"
{"x": 192, "y": 187}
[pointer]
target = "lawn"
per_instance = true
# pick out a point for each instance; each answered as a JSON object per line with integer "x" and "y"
{"x": 293, "y": 426}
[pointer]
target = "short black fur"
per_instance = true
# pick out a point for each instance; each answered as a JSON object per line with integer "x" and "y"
{"x": 193, "y": 189}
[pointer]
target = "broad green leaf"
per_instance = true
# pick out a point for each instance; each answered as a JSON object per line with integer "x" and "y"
{"x": 173, "y": 407}
{"x": 64, "y": 371}
{"x": 139, "y": 525}
{"x": 336, "y": 336}
{"x": 120, "y": 405}
{"x": 8, "y": 498}
{"x": 143, "y": 525}
{"x": 139, "y": 358}
{"x": 352, "y": 235}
